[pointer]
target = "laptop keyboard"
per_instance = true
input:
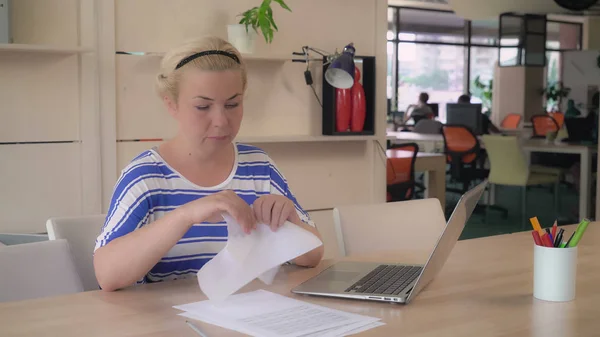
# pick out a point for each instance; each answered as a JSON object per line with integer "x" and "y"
{"x": 386, "y": 279}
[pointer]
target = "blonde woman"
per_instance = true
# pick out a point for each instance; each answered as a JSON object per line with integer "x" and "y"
{"x": 164, "y": 221}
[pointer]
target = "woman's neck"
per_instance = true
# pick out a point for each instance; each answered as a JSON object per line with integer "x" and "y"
{"x": 185, "y": 152}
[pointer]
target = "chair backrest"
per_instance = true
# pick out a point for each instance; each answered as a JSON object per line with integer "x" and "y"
{"x": 393, "y": 226}
{"x": 542, "y": 124}
{"x": 460, "y": 142}
{"x": 428, "y": 127}
{"x": 400, "y": 171}
{"x": 507, "y": 160}
{"x": 558, "y": 117}
{"x": 81, "y": 233}
{"x": 511, "y": 121}
{"x": 39, "y": 269}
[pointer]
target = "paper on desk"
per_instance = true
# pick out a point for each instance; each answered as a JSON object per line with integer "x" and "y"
{"x": 262, "y": 313}
{"x": 255, "y": 255}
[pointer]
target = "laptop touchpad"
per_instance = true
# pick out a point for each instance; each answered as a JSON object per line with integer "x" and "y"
{"x": 337, "y": 275}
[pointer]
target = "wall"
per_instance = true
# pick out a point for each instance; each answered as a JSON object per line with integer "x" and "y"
{"x": 581, "y": 71}
{"x": 278, "y": 102}
{"x": 591, "y": 33}
{"x": 517, "y": 91}
{"x": 43, "y": 180}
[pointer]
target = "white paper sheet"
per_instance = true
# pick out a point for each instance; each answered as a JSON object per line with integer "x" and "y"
{"x": 250, "y": 256}
{"x": 346, "y": 330}
{"x": 262, "y": 313}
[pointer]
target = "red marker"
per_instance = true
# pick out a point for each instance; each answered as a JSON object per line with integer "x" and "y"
{"x": 546, "y": 240}
{"x": 536, "y": 238}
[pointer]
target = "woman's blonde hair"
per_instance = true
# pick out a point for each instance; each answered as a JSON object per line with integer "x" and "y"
{"x": 167, "y": 81}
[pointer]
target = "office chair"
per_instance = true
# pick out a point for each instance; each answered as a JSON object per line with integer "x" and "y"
{"x": 558, "y": 117}
{"x": 542, "y": 124}
{"x": 400, "y": 171}
{"x": 511, "y": 121}
{"x": 509, "y": 167}
{"x": 466, "y": 159}
{"x": 428, "y": 127}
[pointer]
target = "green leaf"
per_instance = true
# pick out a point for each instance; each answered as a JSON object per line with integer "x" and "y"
{"x": 270, "y": 17}
{"x": 265, "y": 28}
{"x": 283, "y": 5}
{"x": 264, "y": 6}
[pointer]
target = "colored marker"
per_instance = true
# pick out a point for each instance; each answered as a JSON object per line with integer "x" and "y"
{"x": 558, "y": 238}
{"x": 536, "y": 225}
{"x": 546, "y": 240}
{"x": 569, "y": 241}
{"x": 550, "y": 236}
{"x": 578, "y": 233}
{"x": 536, "y": 238}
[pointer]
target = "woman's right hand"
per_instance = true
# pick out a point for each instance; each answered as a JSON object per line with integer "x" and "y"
{"x": 210, "y": 208}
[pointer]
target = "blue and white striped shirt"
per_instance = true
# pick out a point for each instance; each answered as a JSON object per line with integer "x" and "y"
{"x": 148, "y": 188}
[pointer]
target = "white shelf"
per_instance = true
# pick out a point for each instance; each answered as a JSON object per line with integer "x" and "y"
{"x": 301, "y": 139}
{"x": 246, "y": 57}
{"x": 258, "y": 57}
{"x": 35, "y": 48}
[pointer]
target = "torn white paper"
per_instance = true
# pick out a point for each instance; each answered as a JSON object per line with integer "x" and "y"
{"x": 262, "y": 313}
{"x": 255, "y": 255}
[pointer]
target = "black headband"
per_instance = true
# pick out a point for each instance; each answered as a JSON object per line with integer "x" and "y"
{"x": 204, "y": 53}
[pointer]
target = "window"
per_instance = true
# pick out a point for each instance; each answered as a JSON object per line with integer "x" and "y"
{"x": 435, "y": 69}
{"x": 522, "y": 40}
{"x": 563, "y": 36}
{"x": 483, "y": 61}
{"x": 484, "y": 32}
{"x": 442, "y": 54}
{"x": 432, "y": 26}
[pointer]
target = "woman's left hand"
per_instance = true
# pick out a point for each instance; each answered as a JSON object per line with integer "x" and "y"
{"x": 273, "y": 210}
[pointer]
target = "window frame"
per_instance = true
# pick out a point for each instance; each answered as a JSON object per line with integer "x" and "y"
{"x": 468, "y": 44}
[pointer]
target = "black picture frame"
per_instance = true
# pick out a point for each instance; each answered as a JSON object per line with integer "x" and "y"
{"x": 329, "y": 105}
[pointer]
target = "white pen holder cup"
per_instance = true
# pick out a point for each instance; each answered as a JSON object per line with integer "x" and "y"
{"x": 554, "y": 273}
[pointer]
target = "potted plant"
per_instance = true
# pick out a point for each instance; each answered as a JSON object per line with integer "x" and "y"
{"x": 483, "y": 91}
{"x": 554, "y": 94}
{"x": 260, "y": 17}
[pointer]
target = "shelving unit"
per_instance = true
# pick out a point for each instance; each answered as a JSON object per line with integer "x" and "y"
{"x": 17, "y": 47}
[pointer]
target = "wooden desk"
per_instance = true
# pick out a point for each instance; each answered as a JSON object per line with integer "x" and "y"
{"x": 434, "y": 165}
{"x": 426, "y": 142}
{"x": 585, "y": 171}
{"x": 485, "y": 289}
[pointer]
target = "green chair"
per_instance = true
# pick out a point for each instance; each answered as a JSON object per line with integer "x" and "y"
{"x": 509, "y": 167}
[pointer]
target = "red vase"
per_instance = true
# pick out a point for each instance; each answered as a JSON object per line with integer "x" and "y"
{"x": 359, "y": 105}
{"x": 343, "y": 105}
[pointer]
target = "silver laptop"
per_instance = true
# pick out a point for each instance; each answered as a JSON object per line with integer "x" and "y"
{"x": 395, "y": 283}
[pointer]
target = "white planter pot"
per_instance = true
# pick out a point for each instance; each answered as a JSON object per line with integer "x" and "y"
{"x": 240, "y": 39}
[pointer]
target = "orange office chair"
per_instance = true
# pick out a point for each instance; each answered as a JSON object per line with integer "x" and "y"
{"x": 511, "y": 121}
{"x": 400, "y": 175}
{"x": 559, "y": 118}
{"x": 466, "y": 159}
{"x": 463, "y": 153}
{"x": 542, "y": 124}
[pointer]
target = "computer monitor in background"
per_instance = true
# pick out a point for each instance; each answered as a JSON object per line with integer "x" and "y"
{"x": 468, "y": 115}
{"x": 435, "y": 108}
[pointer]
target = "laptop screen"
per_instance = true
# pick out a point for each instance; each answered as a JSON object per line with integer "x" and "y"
{"x": 450, "y": 236}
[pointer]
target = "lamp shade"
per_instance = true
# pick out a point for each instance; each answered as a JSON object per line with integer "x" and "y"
{"x": 340, "y": 74}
